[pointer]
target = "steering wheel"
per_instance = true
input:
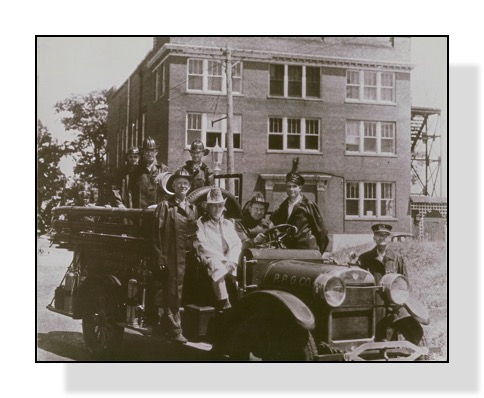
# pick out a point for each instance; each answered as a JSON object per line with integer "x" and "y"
{"x": 277, "y": 234}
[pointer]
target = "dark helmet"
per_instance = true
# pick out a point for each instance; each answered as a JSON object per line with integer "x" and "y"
{"x": 134, "y": 150}
{"x": 257, "y": 198}
{"x": 180, "y": 173}
{"x": 197, "y": 146}
{"x": 294, "y": 176}
{"x": 149, "y": 143}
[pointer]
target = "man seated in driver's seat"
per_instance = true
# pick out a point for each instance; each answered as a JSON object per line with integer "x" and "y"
{"x": 253, "y": 224}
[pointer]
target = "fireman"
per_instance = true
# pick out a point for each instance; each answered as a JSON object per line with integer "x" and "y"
{"x": 201, "y": 174}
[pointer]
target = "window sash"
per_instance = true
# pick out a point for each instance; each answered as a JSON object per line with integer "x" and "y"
{"x": 370, "y": 137}
{"x": 199, "y": 126}
{"x": 299, "y": 134}
{"x": 207, "y": 76}
{"x": 370, "y": 199}
{"x": 373, "y": 86}
{"x": 294, "y": 81}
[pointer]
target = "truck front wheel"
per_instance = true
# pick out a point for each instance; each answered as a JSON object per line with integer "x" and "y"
{"x": 262, "y": 338}
{"x": 102, "y": 335}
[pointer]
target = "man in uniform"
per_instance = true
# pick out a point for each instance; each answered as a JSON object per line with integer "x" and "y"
{"x": 144, "y": 185}
{"x": 253, "y": 224}
{"x": 301, "y": 212}
{"x": 201, "y": 174}
{"x": 380, "y": 261}
{"x": 121, "y": 194}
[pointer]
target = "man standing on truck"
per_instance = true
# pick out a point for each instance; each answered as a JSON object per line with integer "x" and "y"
{"x": 380, "y": 261}
{"x": 301, "y": 212}
{"x": 175, "y": 225}
{"x": 202, "y": 175}
{"x": 121, "y": 194}
{"x": 144, "y": 185}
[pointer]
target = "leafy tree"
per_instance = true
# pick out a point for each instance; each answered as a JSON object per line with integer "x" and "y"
{"x": 50, "y": 179}
{"x": 87, "y": 115}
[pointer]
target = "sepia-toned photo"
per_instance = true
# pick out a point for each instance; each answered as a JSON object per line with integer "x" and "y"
{"x": 242, "y": 198}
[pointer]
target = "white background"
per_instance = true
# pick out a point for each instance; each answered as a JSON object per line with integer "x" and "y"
{"x": 21, "y": 376}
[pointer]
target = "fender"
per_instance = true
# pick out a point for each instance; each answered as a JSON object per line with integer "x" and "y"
{"x": 108, "y": 282}
{"x": 283, "y": 301}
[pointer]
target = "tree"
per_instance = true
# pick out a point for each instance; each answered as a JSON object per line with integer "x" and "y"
{"x": 50, "y": 179}
{"x": 87, "y": 115}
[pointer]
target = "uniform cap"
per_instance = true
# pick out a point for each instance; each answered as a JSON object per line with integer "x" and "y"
{"x": 257, "y": 198}
{"x": 180, "y": 173}
{"x": 381, "y": 228}
{"x": 197, "y": 146}
{"x": 134, "y": 150}
{"x": 149, "y": 143}
{"x": 215, "y": 196}
{"x": 293, "y": 176}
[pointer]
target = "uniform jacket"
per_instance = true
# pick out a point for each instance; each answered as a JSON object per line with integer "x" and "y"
{"x": 247, "y": 228}
{"x": 145, "y": 190}
{"x": 392, "y": 263}
{"x": 174, "y": 232}
{"x": 311, "y": 232}
{"x": 210, "y": 248}
{"x": 201, "y": 177}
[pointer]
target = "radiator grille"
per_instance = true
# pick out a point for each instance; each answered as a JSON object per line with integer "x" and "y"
{"x": 351, "y": 325}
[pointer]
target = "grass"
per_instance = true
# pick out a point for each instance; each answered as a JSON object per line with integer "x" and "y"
{"x": 427, "y": 268}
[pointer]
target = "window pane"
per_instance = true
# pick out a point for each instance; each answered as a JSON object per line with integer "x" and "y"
{"x": 275, "y": 125}
{"x": 387, "y": 94}
{"x": 293, "y": 126}
{"x": 369, "y": 91}
{"x": 387, "y": 137}
{"x": 276, "y": 80}
{"x": 352, "y": 136}
{"x": 352, "y": 196}
{"x": 369, "y": 144}
{"x": 387, "y": 86}
{"x": 195, "y": 72}
{"x": 294, "y": 81}
{"x": 214, "y": 81}
{"x": 212, "y": 137}
{"x": 312, "y": 142}
{"x": 369, "y": 202}
{"x": 352, "y": 84}
{"x": 294, "y": 142}
{"x": 275, "y": 142}
{"x": 387, "y": 200}
{"x": 237, "y": 140}
{"x": 313, "y": 82}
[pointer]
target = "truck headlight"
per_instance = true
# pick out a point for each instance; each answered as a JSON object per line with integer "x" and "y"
{"x": 330, "y": 288}
{"x": 395, "y": 288}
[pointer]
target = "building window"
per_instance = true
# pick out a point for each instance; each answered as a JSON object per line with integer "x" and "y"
{"x": 294, "y": 81}
{"x": 293, "y": 134}
{"x": 370, "y": 199}
{"x": 159, "y": 81}
{"x": 370, "y": 86}
{"x": 210, "y": 128}
{"x": 368, "y": 137}
{"x": 208, "y": 76}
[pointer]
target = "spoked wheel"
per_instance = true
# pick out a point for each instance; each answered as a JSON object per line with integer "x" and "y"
{"x": 260, "y": 338}
{"x": 102, "y": 335}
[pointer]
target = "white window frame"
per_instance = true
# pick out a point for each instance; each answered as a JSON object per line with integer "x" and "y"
{"x": 361, "y": 86}
{"x": 303, "y": 83}
{"x": 205, "y": 77}
{"x": 361, "y": 138}
{"x": 222, "y": 127}
{"x": 379, "y": 200}
{"x": 285, "y": 133}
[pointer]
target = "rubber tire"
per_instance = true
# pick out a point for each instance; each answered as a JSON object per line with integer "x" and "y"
{"x": 101, "y": 334}
{"x": 264, "y": 338}
{"x": 232, "y": 204}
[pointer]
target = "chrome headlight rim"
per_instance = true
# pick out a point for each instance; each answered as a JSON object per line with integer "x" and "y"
{"x": 321, "y": 288}
{"x": 393, "y": 295}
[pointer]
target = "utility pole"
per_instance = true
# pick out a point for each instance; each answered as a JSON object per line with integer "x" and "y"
{"x": 230, "y": 115}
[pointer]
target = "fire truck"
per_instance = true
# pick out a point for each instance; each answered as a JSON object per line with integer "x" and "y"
{"x": 292, "y": 305}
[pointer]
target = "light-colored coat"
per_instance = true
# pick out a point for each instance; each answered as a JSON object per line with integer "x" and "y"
{"x": 209, "y": 247}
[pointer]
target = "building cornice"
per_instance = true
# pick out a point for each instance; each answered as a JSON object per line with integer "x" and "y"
{"x": 276, "y": 57}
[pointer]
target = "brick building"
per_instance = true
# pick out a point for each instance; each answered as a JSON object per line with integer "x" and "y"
{"x": 341, "y": 104}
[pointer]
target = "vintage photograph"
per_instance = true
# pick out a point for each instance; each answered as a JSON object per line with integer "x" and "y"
{"x": 242, "y": 198}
